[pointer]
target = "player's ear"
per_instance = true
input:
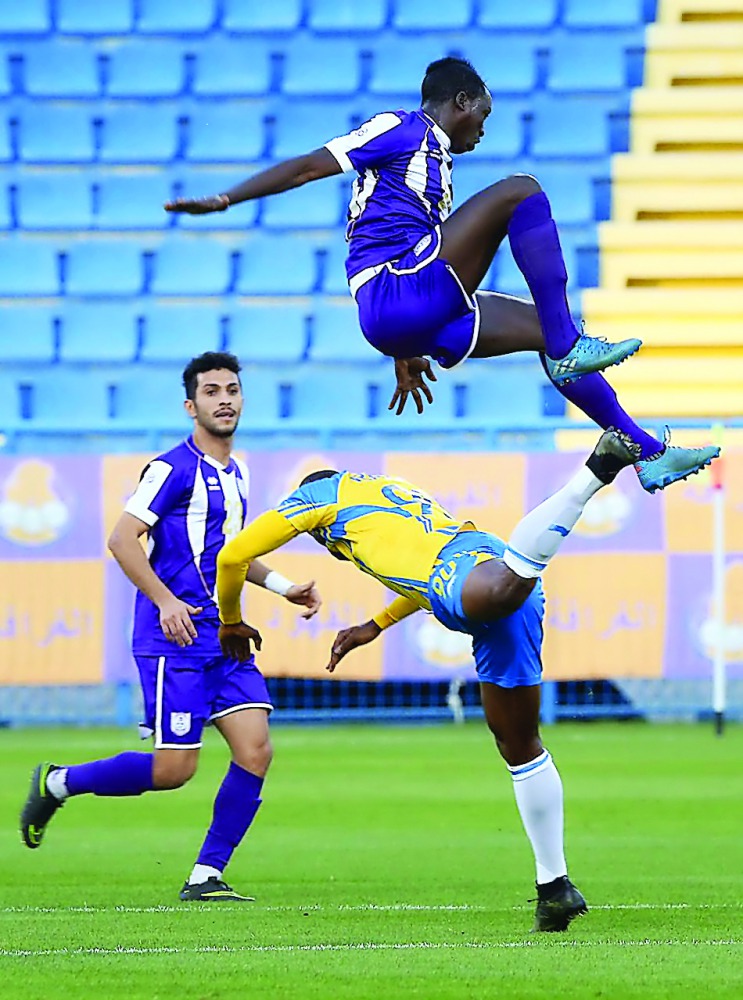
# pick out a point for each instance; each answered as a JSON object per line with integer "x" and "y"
{"x": 462, "y": 102}
{"x": 189, "y": 407}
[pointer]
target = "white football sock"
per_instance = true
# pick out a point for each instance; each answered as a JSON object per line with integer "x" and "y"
{"x": 56, "y": 784}
{"x": 201, "y": 873}
{"x": 538, "y": 535}
{"x": 538, "y": 790}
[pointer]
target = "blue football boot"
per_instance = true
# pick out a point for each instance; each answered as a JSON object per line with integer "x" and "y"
{"x": 589, "y": 354}
{"x": 668, "y": 466}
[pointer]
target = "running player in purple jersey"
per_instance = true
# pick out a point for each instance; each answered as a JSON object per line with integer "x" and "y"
{"x": 189, "y": 502}
{"x": 414, "y": 270}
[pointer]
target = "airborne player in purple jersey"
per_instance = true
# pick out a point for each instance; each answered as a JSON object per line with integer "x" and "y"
{"x": 189, "y": 502}
{"x": 414, "y": 270}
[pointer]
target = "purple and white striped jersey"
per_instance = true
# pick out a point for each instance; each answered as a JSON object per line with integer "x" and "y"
{"x": 403, "y": 191}
{"x": 192, "y": 505}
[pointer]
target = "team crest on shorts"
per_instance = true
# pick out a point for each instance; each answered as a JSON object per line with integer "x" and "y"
{"x": 180, "y": 723}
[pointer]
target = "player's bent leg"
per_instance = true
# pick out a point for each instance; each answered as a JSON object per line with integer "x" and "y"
{"x": 492, "y": 591}
{"x": 512, "y": 715}
{"x": 172, "y": 768}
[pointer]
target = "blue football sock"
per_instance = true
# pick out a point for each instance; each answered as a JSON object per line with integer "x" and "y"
{"x": 126, "y": 774}
{"x": 535, "y": 246}
{"x": 235, "y": 806}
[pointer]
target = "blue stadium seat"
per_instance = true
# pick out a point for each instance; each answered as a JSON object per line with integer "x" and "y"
{"x": 435, "y": 417}
{"x": 28, "y": 267}
{"x": 60, "y": 69}
{"x": 91, "y": 17}
{"x": 591, "y": 62}
{"x": 146, "y": 399}
{"x": 347, "y": 15}
{"x": 505, "y": 276}
{"x": 132, "y": 200}
{"x": 178, "y": 333}
{"x": 323, "y": 67}
{"x": 311, "y": 206}
{"x": 422, "y": 15}
{"x": 472, "y": 175}
{"x": 268, "y": 333}
{"x": 507, "y": 63}
{"x": 27, "y": 334}
{"x": 399, "y": 64}
{"x": 249, "y": 16}
{"x": 6, "y": 219}
{"x": 607, "y": 14}
{"x": 54, "y": 200}
{"x": 336, "y": 335}
{"x": 165, "y": 17}
{"x": 188, "y": 266}
{"x": 10, "y": 401}
{"x": 275, "y": 265}
{"x": 263, "y": 395}
{"x": 569, "y": 187}
{"x": 570, "y": 127}
{"x": 504, "y": 131}
{"x": 501, "y": 394}
{"x": 28, "y": 18}
{"x": 82, "y": 396}
{"x": 228, "y": 67}
{"x": 140, "y": 134}
{"x": 6, "y": 86}
{"x": 56, "y": 133}
{"x": 94, "y": 332}
{"x": 302, "y": 126}
{"x": 224, "y": 133}
{"x": 196, "y": 182}
{"x": 6, "y": 145}
{"x": 537, "y": 14}
{"x": 334, "y": 268}
{"x": 336, "y": 397}
{"x": 100, "y": 267}
{"x": 146, "y": 69}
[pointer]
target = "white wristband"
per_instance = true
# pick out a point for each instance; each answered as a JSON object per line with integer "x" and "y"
{"x": 277, "y": 583}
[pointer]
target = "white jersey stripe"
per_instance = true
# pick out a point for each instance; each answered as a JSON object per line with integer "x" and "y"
{"x": 196, "y": 516}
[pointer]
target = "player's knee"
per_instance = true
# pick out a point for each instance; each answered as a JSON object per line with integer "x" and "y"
{"x": 519, "y": 187}
{"x": 175, "y": 770}
{"x": 518, "y": 748}
{"x": 255, "y": 758}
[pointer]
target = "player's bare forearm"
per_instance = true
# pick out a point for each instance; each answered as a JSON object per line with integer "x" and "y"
{"x": 125, "y": 547}
{"x": 283, "y": 176}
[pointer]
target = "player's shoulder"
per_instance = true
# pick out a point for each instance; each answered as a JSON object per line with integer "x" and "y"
{"x": 318, "y": 493}
{"x": 180, "y": 461}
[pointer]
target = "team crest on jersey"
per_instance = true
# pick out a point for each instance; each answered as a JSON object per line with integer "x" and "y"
{"x": 180, "y": 723}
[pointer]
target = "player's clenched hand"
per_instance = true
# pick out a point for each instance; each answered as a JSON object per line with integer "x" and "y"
{"x": 175, "y": 621}
{"x": 306, "y": 595}
{"x": 235, "y": 640}
{"x": 349, "y": 638}
{"x": 409, "y": 373}
{"x": 199, "y": 206}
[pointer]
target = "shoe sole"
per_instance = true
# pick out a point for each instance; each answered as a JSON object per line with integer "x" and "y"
{"x": 678, "y": 479}
{"x": 570, "y": 377}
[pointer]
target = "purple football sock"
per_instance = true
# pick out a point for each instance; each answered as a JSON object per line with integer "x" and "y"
{"x": 535, "y": 246}
{"x": 235, "y": 807}
{"x": 595, "y": 397}
{"x": 126, "y": 774}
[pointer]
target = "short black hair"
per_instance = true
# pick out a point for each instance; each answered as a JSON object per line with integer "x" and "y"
{"x": 320, "y": 474}
{"x": 208, "y": 362}
{"x": 448, "y": 77}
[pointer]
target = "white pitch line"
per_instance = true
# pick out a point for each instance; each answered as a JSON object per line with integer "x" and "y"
{"x": 367, "y": 946}
{"x": 363, "y": 907}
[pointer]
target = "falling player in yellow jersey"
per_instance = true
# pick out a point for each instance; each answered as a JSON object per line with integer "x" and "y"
{"x": 472, "y": 582}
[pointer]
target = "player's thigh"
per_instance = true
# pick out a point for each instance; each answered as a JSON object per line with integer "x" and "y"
{"x": 472, "y": 234}
{"x": 173, "y": 767}
{"x": 507, "y": 325}
{"x": 512, "y": 715}
{"x": 246, "y": 732}
{"x": 492, "y": 591}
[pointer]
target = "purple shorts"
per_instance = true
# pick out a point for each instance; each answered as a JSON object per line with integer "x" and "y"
{"x": 416, "y": 306}
{"x": 182, "y": 694}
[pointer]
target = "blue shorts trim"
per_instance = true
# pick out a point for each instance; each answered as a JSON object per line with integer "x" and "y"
{"x": 416, "y": 305}
{"x": 182, "y": 694}
{"x": 507, "y": 652}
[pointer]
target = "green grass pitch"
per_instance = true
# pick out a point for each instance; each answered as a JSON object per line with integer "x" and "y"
{"x": 388, "y": 862}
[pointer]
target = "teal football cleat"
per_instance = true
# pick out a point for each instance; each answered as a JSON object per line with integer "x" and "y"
{"x": 558, "y": 903}
{"x": 214, "y": 890}
{"x": 668, "y": 466}
{"x": 39, "y": 807}
{"x": 589, "y": 354}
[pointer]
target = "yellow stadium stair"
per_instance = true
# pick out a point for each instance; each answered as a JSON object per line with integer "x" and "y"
{"x": 671, "y": 258}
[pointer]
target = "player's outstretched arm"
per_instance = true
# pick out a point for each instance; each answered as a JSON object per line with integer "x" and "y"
{"x": 409, "y": 373}
{"x": 359, "y": 635}
{"x": 281, "y": 177}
